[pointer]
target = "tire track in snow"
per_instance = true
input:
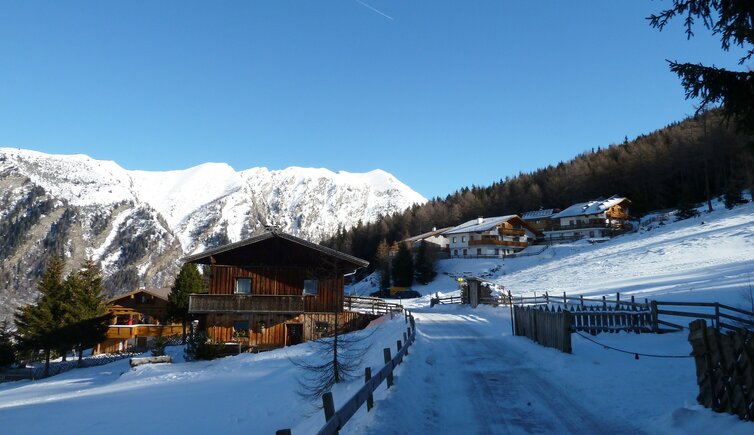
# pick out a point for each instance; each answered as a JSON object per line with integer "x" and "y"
{"x": 476, "y": 384}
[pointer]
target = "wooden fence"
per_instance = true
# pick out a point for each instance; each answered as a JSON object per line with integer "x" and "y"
{"x": 335, "y": 420}
{"x": 370, "y": 305}
{"x": 724, "y": 369}
{"x": 444, "y": 301}
{"x": 551, "y": 328}
{"x": 596, "y": 315}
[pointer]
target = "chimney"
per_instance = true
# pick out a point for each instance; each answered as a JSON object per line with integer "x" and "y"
{"x": 479, "y": 220}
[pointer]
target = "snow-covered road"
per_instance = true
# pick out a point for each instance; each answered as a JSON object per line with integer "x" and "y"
{"x": 475, "y": 379}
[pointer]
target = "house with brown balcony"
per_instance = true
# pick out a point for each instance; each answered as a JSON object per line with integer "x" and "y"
{"x": 434, "y": 240}
{"x": 541, "y": 219}
{"x": 490, "y": 237}
{"x": 138, "y": 317}
{"x": 274, "y": 290}
{"x": 594, "y": 220}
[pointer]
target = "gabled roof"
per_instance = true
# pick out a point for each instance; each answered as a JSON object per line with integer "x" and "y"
{"x": 426, "y": 235}
{"x": 538, "y": 214}
{"x": 474, "y": 225}
{"x": 160, "y": 293}
{"x": 207, "y": 257}
{"x": 590, "y": 208}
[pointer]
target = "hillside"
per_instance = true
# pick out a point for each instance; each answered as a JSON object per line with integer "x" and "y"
{"x": 138, "y": 223}
{"x": 684, "y": 163}
{"x": 465, "y": 373}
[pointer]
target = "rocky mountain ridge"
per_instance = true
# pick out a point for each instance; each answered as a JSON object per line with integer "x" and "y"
{"x": 138, "y": 224}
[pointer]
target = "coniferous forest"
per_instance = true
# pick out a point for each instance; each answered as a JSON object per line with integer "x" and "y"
{"x": 684, "y": 163}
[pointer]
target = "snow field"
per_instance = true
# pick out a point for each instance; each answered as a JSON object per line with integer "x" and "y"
{"x": 248, "y": 393}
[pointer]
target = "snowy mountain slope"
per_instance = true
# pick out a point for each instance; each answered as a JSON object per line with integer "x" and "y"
{"x": 138, "y": 223}
{"x": 465, "y": 373}
{"x": 707, "y": 258}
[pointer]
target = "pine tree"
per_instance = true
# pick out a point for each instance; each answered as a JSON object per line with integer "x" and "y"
{"x": 7, "y": 346}
{"x": 39, "y": 326}
{"x": 403, "y": 267}
{"x": 188, "y": 281}
{"x": 87, "y": 310}
{"x": 425, "y": 265}
{"x": 732, "y": 21}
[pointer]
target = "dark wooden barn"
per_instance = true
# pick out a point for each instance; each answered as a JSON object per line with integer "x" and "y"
{"x": 274, "y": 290}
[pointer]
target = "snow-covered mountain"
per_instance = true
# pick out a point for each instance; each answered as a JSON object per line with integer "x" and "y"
{"x": 139, "y": 223}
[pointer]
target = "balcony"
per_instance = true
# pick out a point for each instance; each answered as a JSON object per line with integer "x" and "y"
{"x": 203, "y": 303}
{"x": 129, "y": 331}
{"x": 511, "y": 231}
{"x": 495, "y": 242}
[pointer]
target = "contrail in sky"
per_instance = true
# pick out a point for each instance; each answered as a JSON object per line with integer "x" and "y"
{"x": 375, "y": 10}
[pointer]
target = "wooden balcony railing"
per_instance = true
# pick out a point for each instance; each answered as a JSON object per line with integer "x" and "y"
{"x": 497, "y": 243}
{"x": 203, "y": 303}
{"x": 511, "y": 231}
{"x": 128, "y": 331}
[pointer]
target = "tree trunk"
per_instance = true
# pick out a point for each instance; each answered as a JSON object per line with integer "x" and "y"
{"x": 81, "y": 355}
{"x": 47, "y": 362}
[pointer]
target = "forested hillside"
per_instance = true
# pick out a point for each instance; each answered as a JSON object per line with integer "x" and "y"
{"x": 684, "y": 162}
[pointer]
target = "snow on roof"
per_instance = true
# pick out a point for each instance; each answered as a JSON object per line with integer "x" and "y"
{"x": 538, "y": 214}
{"x": 589, "y": 208}
{"x": 427, "y": 235}
{"x": 474, "y": 225}
{"x": 158, "y": 292}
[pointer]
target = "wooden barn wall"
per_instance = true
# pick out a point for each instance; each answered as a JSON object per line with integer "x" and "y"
{"x": 220, "y": 326}
{"x": 280, "y": 281}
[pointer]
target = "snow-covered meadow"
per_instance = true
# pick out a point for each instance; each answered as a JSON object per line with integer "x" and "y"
{"x": 465, "y": 373}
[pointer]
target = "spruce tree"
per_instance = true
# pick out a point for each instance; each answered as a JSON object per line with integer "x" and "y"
{"x": 732, "y": 22}
{"x": 425, "y": 265}
{"x": 39, "y": 326}
{"x": 403, "y": 267}
{"x": 7, "y": 346}
{"x": 188, "y": 281}
{"x": 87, "y": 309}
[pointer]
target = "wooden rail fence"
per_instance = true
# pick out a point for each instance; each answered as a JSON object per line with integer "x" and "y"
{"x": 371, "y": 305}
{"x": 724, "y": 369}
{"x": 596, "y": 315}
{"x": 335, "y": 420}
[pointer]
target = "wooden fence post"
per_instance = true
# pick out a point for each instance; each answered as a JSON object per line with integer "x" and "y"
{"x": 717, "y": 316}
{"x": 655, "y": 327}
{"x": 370, "y": 398}
{"x": 328, "y": 405}
{"x": 388, "y": 359}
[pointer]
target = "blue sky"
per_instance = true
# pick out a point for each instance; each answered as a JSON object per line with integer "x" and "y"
{"x": 443, "y": 94}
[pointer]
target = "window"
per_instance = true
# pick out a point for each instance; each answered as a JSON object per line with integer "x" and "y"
{"x": 465, "y": 252}
{"x": 471, "y": 237}
{"x": 497, "y": 251}
{"x": 454, "y": 239}
{"x": 240, "y": 329}
{"x": 455, "y": 252}
{"x": 478, "y": 251}
{"x": 321, "y": 326}
{"x": 310, "y": 287}
{"x": 463, "y": 239}
{"x": 243, "y": 286}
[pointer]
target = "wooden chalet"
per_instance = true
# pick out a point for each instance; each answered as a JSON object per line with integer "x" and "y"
{"x": 138, "y": 318}
{"x": 490, "y": 237}
{"x": 274, "y": 290}
{"x": 594, "y": 220}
